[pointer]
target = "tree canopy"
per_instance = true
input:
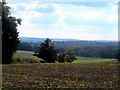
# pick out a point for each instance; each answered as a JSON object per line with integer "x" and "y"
{"x": 10, "y": 38}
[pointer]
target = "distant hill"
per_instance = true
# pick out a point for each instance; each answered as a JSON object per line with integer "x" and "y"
{"x": 35, "y": 40}
{"x": 29, "y": 39}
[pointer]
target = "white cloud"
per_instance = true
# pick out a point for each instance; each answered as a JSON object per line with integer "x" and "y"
{"x": 60, "y": 28}
{"x": 106, "y": 14}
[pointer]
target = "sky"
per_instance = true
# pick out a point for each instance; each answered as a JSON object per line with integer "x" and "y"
{"x": 71, "y": 20}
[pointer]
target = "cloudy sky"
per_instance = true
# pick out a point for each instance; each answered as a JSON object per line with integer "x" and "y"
{"x": 76, "y": 20}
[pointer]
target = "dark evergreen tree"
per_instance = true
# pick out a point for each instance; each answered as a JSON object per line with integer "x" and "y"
{"x": 10, "y": 38}
{"x": 46, "y": 51}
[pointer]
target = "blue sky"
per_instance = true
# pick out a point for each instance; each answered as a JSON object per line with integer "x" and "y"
{"x": 76, "y": 20}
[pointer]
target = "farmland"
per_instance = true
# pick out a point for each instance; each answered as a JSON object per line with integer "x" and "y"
{"x": 83, "y": 73}
{"x": 25, "y": 57}
{"x": 29, "y": 55}
{"x": 25, "y": 54}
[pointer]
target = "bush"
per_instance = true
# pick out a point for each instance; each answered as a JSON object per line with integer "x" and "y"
{"x": 60, "y": 57}
{"x": 67, "y": 56}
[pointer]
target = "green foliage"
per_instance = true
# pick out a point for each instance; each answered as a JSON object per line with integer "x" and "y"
{"x": 69, "y": 55}
{"x": 10, "y": 38}
{"x": 60, "y": 57}
{"x": 46, "y": 51}
{"x": 94, "y": 49}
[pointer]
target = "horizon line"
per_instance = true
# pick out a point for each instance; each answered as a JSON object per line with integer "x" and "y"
{"x": 70, "y": 38}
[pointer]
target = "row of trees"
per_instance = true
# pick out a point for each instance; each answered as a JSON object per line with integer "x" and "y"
{"x": 48, "y": 53}
{"x": 80, "y": 48}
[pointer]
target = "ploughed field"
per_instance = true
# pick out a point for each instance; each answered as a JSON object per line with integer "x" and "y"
{"x": 62, "y": 75}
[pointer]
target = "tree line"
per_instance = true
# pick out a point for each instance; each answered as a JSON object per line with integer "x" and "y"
{"x": 80, "y": 48}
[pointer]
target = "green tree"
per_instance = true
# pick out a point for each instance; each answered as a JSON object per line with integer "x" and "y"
{"x": 69, "y": 56}
{"x": 10, "y": 38}
{"x": 46, "y": 51}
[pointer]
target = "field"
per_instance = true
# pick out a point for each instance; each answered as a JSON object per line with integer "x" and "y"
{"x": 83, "y": 73}
{"x": 29, "y": 55}
{"x": 24, "y": 54}
{"x": 25, "y": 57}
